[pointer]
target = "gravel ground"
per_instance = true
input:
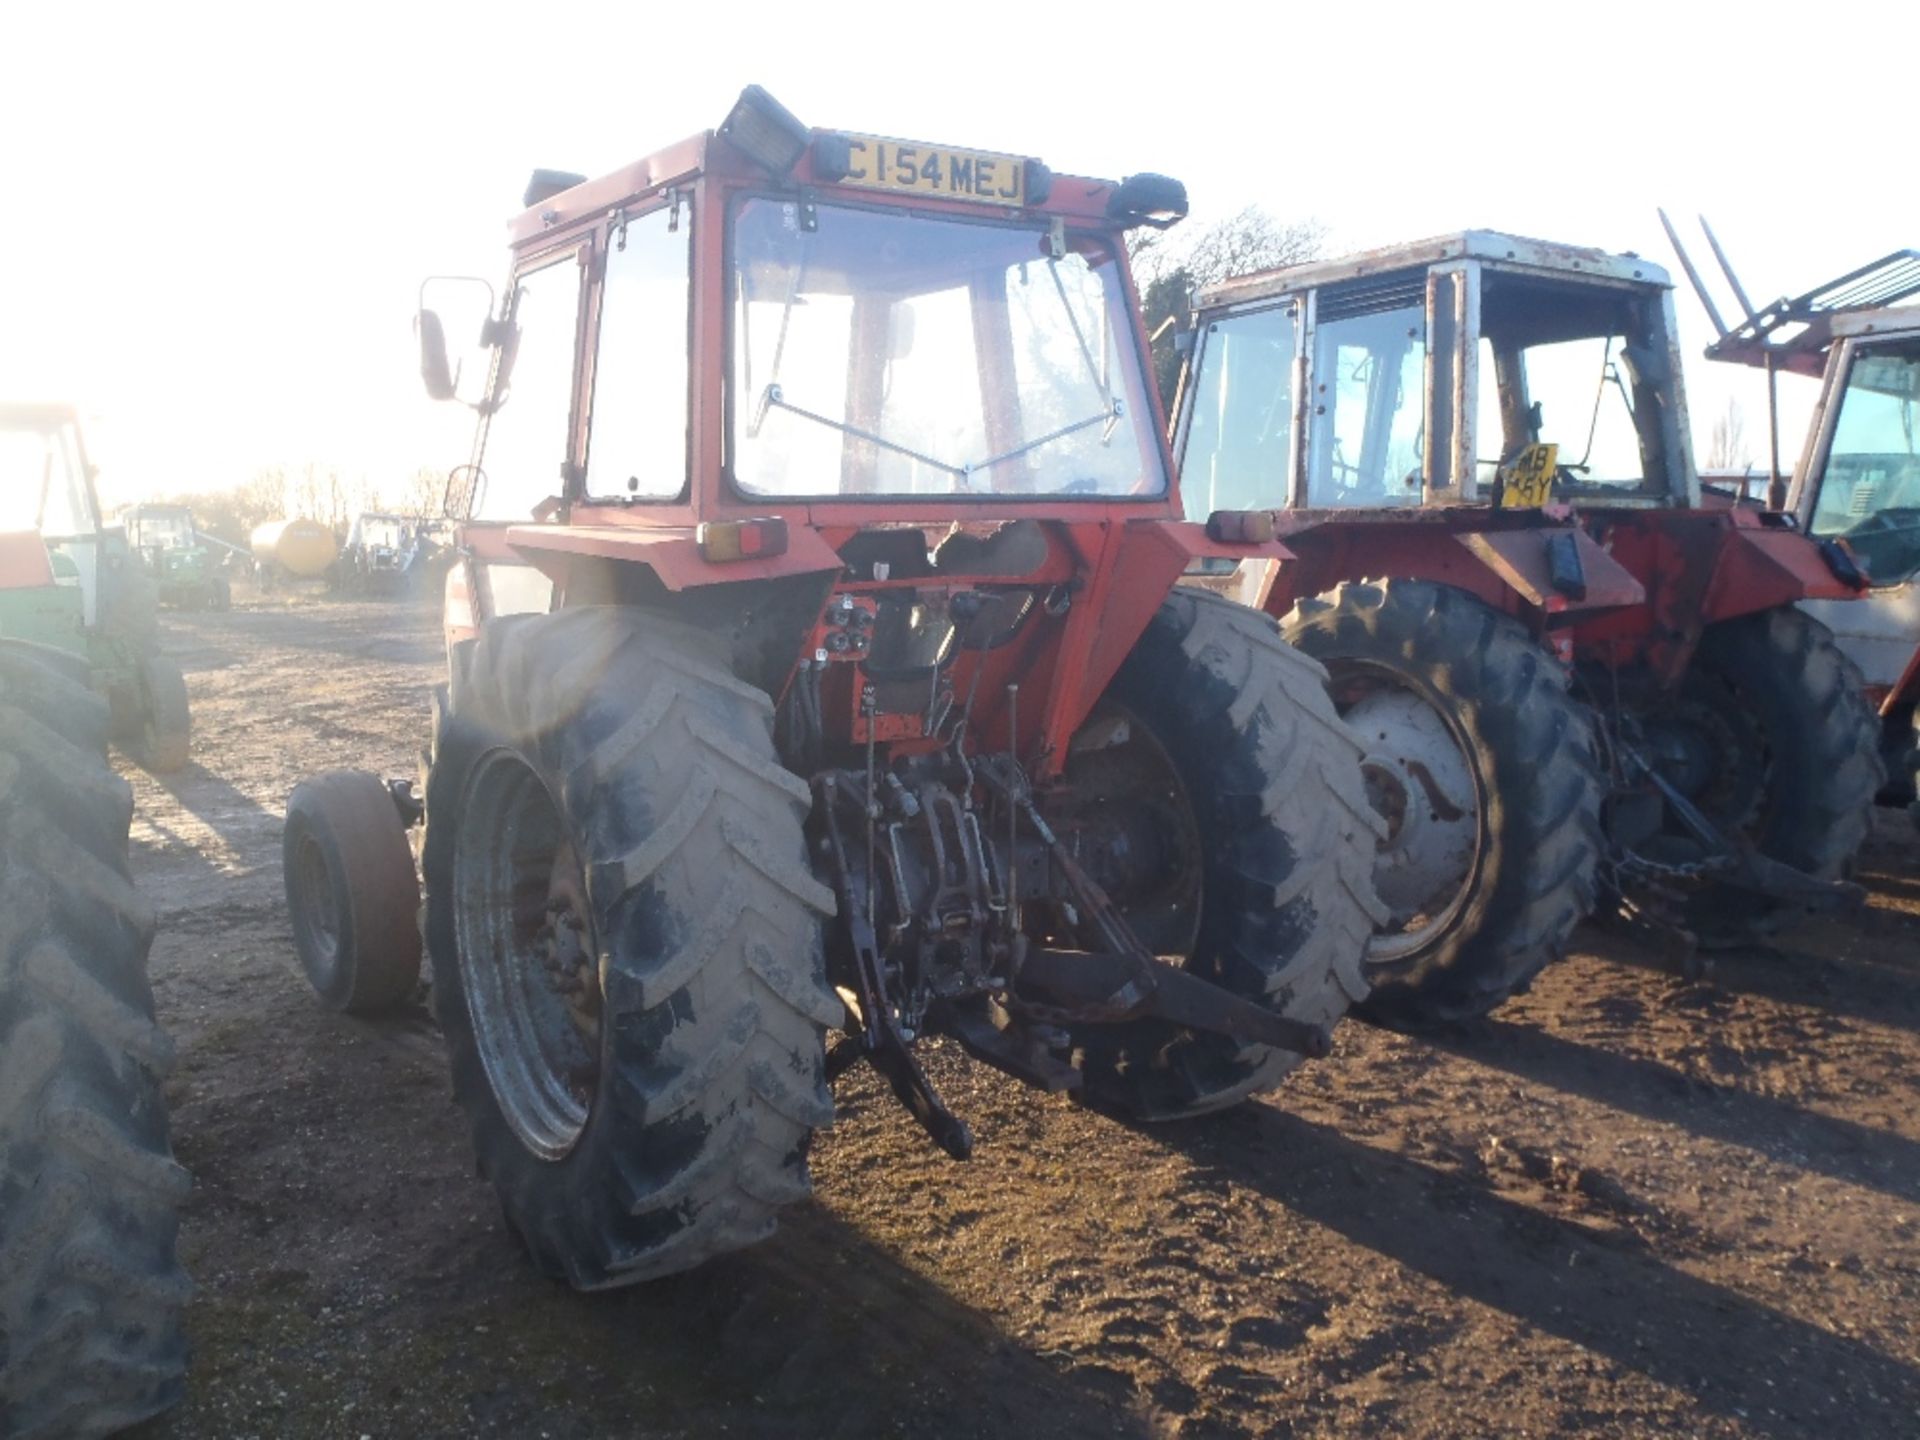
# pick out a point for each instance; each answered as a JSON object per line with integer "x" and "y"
{"x": 1630, "y": 1204}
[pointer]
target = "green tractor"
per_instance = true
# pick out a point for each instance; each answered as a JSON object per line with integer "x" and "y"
{"x": 69, "y": 583}
{"x": 91, "y": 1289}
{"x": 178, "y": 556}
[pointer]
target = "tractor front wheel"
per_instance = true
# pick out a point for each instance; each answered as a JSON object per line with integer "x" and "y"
{"x": 626, "y": 941}
{"x": 165, "y": 720}
{"x": 351, "y": 892}
{"x": 1248, "y": 787}
{"x": 1483, "y": 767}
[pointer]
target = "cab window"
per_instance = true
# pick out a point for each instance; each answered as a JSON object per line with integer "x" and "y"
{"x": 1368, "y": 428}
{"x": 1237, "y": 453}
{"x": 637, "y": 438}
{"x": 525, "y": 452}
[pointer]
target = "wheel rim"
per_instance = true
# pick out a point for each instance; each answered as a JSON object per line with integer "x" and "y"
{"x": 1127, "y": 816}
{"x": 318, "y": 916}
{"x": 1707, "y": 743}
{"x": 526, "y": 951}
{"x": 1421, "y": 778}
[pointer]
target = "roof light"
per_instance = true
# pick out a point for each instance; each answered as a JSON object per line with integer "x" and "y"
{"x": 545, "y": 184}
{"x": 1145, "y": 199}
{"x": 765, "y": 131}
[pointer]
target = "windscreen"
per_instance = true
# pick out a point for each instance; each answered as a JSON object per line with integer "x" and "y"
{"x": 167, "y": 530}
{"x": 1870, "y": 486}
{"x": 894, "y": 354}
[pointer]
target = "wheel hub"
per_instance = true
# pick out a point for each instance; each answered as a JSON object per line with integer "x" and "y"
{"x": 1420, "y": 780}
{"x": 527, "y": 954}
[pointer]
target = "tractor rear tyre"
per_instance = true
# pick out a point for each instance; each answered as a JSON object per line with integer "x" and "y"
{"x": 165, "y": 720}
{"x": 91, "y": 1293}
{"x": 1791, "y": 758}
{"x": 1483, "y": 767}
{"x": 352, "y": 892}
{"x": 626, "y": 943}
{"x": 1278, "y": 813}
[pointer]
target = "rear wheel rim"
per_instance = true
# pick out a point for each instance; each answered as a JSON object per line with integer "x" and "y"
{"x": 526, "y": 952}
{"x": 1421, "y": 778}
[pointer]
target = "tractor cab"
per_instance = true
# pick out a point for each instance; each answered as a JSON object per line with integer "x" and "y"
{"x": 1859, "y": 479}
{"x": 51, "y": 539}
{"x": 159, "y": 528}
{"x": 69, "y": 583}
{"x": 1477, "y": 369}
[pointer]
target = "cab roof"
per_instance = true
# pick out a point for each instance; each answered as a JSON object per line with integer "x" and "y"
{"x": 1492, "y": 246}
{"x": 1082, "y": 199}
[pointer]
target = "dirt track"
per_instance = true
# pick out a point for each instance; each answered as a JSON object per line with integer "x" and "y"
{"x": 1631, "y": 1204}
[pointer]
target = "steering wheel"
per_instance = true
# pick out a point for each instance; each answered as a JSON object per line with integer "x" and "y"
{"x": 1896, "y": 520}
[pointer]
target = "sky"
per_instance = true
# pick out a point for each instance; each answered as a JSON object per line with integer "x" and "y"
{"x": 217, "y": 217}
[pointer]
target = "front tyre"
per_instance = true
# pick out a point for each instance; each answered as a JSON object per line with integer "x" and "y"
{"x": 1483, "y": 767}
{"x": 626, "y": 943}
{"x": 352, "y": 895}
{"x": 1266, "y": 782}
{"x": 165, "y": 719}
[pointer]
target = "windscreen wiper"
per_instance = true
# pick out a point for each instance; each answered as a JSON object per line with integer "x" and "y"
{"x": 773, "y": 397}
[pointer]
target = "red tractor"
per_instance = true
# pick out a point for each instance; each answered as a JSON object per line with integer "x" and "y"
{"x": 1575, "y": 673}
{"x": 816, "y": 663}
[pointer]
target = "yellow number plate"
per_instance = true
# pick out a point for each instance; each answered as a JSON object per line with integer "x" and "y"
{"x": 901, "y": 165}
{"x": 1527, "y": 483}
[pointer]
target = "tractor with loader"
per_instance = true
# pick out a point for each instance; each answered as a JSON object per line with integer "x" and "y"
{"x": 1580, "y": 678}
{"x": 180, "y": 557}
{"x": 817, "y": 664}
{"x": 91, "y": 1292}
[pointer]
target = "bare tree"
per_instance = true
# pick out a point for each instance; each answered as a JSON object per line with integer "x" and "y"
{"x": 420, "y": 494}
{"x": 1728, "y": 450}
{"x": 1169, "y": 269}
{"x": 1252, "y": 240}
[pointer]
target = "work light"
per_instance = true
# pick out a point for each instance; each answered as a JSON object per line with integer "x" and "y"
{"x": 765, "y": 131}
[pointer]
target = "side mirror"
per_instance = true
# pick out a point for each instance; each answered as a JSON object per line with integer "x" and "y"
{"x": 435, "y": 373}
{"x": 462, "y": 305}
{"x": 465, "y": 485}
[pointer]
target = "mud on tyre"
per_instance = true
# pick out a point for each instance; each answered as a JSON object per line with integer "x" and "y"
{"x": 626, "y": 943}
{"x": 1485, "y": 770}
{"x": 1286, "y": 843}
{"x": 91, "y": 1293}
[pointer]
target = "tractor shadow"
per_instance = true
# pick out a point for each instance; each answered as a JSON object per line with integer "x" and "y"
{"x": 1870, "y": 987}
{"x": 195, "y": 831}
{"x": 1745, "y": 1361}
{"x": 1777, "y": 1129}
{"x": 824, "y": 1333}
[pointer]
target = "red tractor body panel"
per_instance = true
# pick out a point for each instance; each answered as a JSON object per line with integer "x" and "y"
{"x": 24, "y": 563}
{"x": 1698, "y": 567}
{"x": 1500, "y": 557}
